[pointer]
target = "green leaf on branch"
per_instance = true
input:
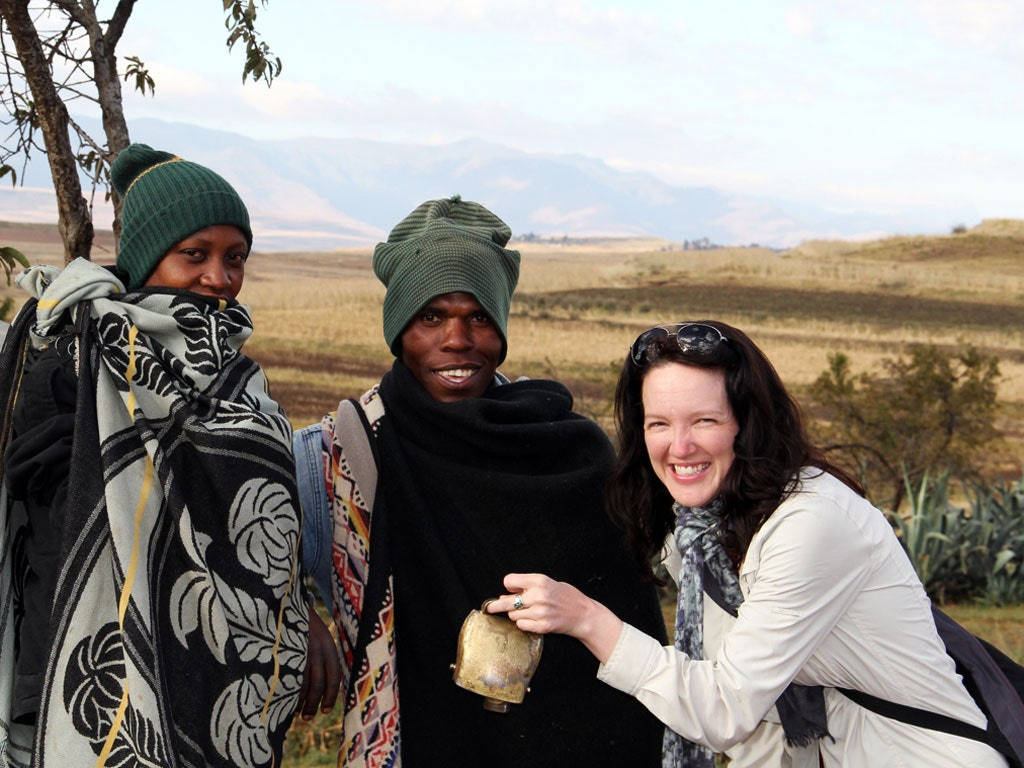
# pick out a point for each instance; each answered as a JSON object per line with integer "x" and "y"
{"x": 1005, "y": 556}
{"x": 10, "y": 258}
{"x": 137, "y": 69}
{"x": 240, "y": 22}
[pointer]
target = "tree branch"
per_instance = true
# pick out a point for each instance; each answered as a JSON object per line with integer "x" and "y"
{"x": 115, "y": 27}
{"x": 72, "y": 9}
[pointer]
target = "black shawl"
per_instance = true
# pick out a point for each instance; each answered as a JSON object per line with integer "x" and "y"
{"x": 470, "y": 491}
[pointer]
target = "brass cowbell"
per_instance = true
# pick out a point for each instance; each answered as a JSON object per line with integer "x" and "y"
{"x": 496, "y": 659}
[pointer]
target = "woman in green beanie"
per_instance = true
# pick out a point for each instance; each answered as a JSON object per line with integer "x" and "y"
{"x": 149, "y": 520}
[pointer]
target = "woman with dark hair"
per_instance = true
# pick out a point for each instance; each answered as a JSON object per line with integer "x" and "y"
{"x": 716, "y": 474}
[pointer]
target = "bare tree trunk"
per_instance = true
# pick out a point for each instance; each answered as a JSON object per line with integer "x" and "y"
{"x": 108, "y": 86}
{"x": 74, "y": 221}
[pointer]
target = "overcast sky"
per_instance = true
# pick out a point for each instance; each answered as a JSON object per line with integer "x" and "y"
{"x": 844, "y": 103}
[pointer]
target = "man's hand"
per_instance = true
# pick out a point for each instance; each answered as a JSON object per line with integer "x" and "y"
{"x": 322, "y": 677}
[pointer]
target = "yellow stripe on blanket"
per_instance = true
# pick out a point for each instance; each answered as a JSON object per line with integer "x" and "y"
{"x": 277, "y": 636}
{"x": 108, "y": 744}
{"x": 133, "y": 560}
{"x": 129, "y": 373}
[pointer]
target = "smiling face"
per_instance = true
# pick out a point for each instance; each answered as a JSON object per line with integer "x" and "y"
{"x": 452, "y": 347}
{"x": 210, "y": 262}
{"x": 689, "y": 429}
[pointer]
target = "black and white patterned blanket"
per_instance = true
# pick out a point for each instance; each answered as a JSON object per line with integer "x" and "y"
{"x": 178, "y": 630}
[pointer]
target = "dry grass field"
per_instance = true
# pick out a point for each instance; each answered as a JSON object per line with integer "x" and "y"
{"x": 579, "y": 305}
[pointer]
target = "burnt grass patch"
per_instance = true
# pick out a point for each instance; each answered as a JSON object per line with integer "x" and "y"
{"x": 307, "y": 403}
{"x": 674, "y": 301}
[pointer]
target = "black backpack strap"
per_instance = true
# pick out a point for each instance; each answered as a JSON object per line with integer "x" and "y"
{"x": 919, "y": 717}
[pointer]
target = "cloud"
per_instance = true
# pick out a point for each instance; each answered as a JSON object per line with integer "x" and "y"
{"x": 289, "y": 98}
{"x": 554, "y": 218}
{"x": 799, "y": 22}
{"x": 507, "y": 182}
{"x": 572, "y": 21}
{"x": 995, "y": 25}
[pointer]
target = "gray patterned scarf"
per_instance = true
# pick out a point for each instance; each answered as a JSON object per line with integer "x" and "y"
{"x": 707, "y": 567}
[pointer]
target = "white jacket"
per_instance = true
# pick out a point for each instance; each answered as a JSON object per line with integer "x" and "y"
{"x": 830, "y": 599}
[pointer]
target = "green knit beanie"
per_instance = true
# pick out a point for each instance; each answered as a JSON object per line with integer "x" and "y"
{"x": 166, "y": 199}
{"x": 446, "y": 246}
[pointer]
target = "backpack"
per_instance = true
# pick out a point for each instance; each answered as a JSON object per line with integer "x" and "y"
{"x": 995, "y": 682}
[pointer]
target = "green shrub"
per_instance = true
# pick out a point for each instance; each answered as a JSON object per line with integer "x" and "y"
{"x": 927, "y": 410}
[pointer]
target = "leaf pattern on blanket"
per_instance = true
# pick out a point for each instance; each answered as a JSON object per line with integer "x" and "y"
{"x": 206, "y": 334}
{"x": 228, "y": 414}
{"x": 92, "y": 686}
{"x": 254, "y": 630}
{"x": 238, "y": 729}
{"x": 194, "y": 597}
{"x": 92, "y": 694}
{"x": 264, "y": 526}
{"x": 150, "y": 372}
{"x": 201, "y": 599}
{"x": 138, "y": 744}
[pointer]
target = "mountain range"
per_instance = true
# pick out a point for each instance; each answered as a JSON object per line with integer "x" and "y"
{"x": 313, "y": 194}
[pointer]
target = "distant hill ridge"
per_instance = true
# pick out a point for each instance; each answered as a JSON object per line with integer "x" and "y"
{"x": 307, "y": 194}
{"x": 985, "y": 241}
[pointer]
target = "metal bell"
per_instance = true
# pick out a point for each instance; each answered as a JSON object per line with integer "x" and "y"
{"x": 496, "y": 659}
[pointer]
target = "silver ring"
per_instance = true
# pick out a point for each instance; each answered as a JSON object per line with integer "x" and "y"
{"x": 517, "y": 603}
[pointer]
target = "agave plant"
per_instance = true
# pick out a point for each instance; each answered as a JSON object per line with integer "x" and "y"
{"x": 935, "y": 536}
{"x": 999, "y": 513}
{"x": 966, "y": 552}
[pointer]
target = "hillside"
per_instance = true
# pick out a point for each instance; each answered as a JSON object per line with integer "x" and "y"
{"x": 315, "y": 194}
{"x": 580, "y": 302}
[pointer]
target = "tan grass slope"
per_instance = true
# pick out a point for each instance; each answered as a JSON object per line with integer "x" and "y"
{"x": 579, "y": 304}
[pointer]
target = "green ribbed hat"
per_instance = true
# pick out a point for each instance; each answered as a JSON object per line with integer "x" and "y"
{"x": 166, "y": 199}
{"x": 446, "y": 246}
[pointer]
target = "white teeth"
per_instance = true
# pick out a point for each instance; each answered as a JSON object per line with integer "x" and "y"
{"x": 457, "y": 373}
{"x": 688, "y": 470}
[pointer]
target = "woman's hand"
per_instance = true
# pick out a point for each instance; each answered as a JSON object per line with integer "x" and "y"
{"x": 539, "y": 604}
{"x": 322, "y": 677}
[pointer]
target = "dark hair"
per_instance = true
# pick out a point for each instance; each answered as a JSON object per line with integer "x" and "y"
{"x": 770, "y": 448}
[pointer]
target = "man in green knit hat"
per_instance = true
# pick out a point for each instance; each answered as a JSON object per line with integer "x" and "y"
{"x": 149, "y": 519}
{"x": 421, "y": 496}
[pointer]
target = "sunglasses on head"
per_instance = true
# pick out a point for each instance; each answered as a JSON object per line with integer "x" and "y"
{"x": 695, "y": 339}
